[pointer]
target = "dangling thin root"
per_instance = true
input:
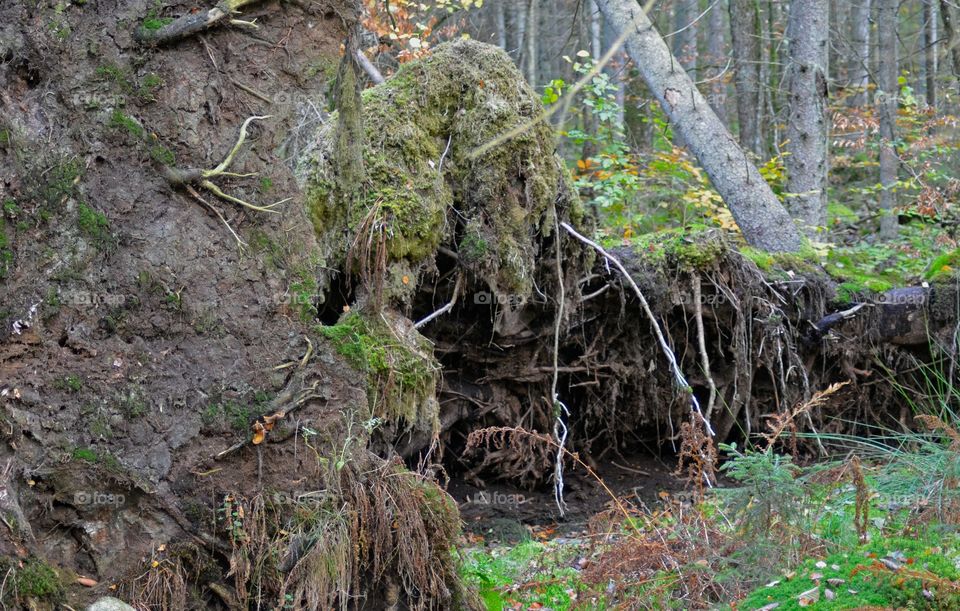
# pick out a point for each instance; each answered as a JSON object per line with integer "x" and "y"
{"x": 702, "y": 340}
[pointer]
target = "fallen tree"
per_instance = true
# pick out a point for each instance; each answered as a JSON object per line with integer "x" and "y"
{"x": 760, "y": 215}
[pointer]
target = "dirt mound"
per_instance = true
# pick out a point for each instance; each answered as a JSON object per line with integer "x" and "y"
{"x": 138, "y": 341}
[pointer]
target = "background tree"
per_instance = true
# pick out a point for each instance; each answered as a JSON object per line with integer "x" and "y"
{"x": 806, "y": 162}
{"x": 858, "y": 55}
{"x": 747, "y": 57}
{"x": 887, "y": 88}
{"x": 951, "y": 40}
{"x": 759, "y": 214}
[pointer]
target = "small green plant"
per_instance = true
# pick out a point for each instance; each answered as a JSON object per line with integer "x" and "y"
{"x": 6, "y": 253}
{"x": 100, "y": 427}
{"x": 85, "y": 454}
{"x": 71, "y": 383}
{"x": 33, "y": 580}
{"x": 94, "y": 225}
{"x": 609, "y": 177}
{"x": 132, "y": 403}
{"x": 116, "y": 76}
{"x": 123, "y": 122}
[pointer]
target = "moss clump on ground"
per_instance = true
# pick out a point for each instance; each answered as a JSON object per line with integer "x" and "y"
{"x": 401, "y": 371}
{"x": 425, "y": 181}
{"x": 34, "y": 580}
{"x": 944, "y": 267}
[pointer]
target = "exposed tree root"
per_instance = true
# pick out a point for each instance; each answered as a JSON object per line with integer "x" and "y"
{"x": 191, "y": 24}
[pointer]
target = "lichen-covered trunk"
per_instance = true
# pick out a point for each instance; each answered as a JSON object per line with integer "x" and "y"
{"x": 745, "y": 34}
{"x": 858, "y": 59}
{"x": 808, "y": 33}
{"x": 762, "y": 218}
{"x": 887, "y": 103}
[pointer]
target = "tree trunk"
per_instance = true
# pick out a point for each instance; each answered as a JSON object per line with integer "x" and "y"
{"x": 500, "y": 18}
{"x": 596, "y": 30}
{"x": 887, "y": 102}
{"x": 858, "y": 66}
{"x": 762, "y": 219}
{"x": 928, "y": 42}
{"x": 952, "y": 41}
{"x": 519, "y": 32}
{"x": 717, "y": 59}
{"x": 745, "y": 33}
{"x": 533, "y": 31}
{"x": 808, "y": 34}
{"x": 685, "y": 36}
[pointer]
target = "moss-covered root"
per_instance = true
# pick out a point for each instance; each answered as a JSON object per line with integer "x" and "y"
{"x": 402, "y": 373}
{"x": 424, "y": 186}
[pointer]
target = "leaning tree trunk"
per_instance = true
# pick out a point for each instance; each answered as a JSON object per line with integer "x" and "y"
{"x": 762, "y": 218}
{"x": 858, "y": 67}
{"x": 808, "y": 33}
{"x": 887, "y": 102}
{"x": 950, "y": 34}
{"x": 745, "y": 33}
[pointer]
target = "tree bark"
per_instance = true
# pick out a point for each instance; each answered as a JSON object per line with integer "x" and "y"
{"x": 887, "y": 102}
{"x": 500, "y": 20}
{"x": 808, "y": 33}
{"x": 685, "y": 35}
{"x": 717, "y": 59}
{"x": 858, "y": 66}
{"x": 952, "y": 41}
{"x": 519, "y": 31}
{"x": 930, "y": 51}
{"x": 745, "y": 34}
{"x": 763, "y": 220}
{"x": 533, "y": 32}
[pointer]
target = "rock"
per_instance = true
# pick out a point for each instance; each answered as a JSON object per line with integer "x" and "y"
{"x": 109, "y": 603}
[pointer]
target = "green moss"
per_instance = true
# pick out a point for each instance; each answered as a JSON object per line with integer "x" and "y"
{"x": 866, "y": 582}
{"x": 6, "y": 254}
{"x": 118, "y": 120}
{"x": 85, "y": 454}
{"x": 423, "y": 129}
{"x": 94, "y": 225}
{"x": 162, "y": 155}
{"x": 36, "y": 580}
{"x": 943, "y": 267}
{"x": 839, "y": 214}
{"x": 115, "y": 75}
{"x": 696, "y": 247}
{"x": 69, "y": 383}
{"x": 152, "y": 24}
{"x": 763, "y": 260}
{"x": 400, "y": 367}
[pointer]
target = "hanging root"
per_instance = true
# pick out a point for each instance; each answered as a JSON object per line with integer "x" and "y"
{"x": 701, "y": 338}
{"x": 194, "y": 23}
